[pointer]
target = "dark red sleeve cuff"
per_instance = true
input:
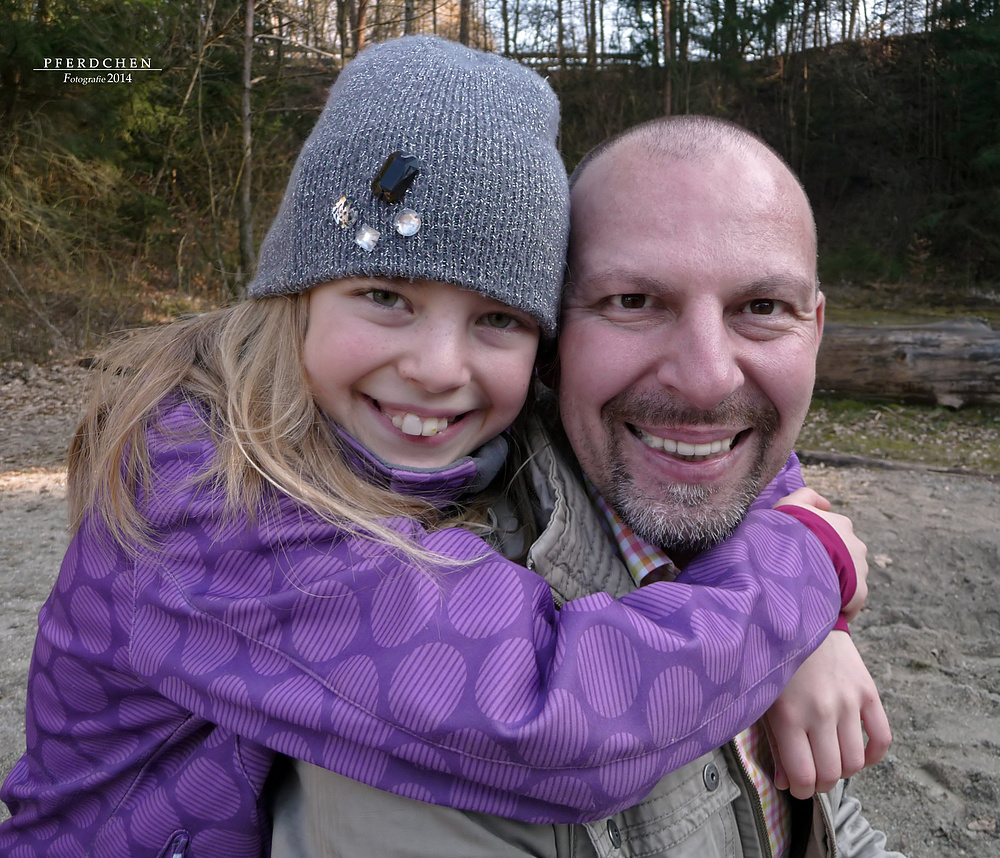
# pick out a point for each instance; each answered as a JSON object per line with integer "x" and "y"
{"x": 835, "y": 547}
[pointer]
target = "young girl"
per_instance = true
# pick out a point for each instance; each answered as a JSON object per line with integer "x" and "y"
{"x": 286, "y": 513}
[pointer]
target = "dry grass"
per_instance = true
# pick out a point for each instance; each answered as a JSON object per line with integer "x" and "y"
{"x": 967, "y": 439}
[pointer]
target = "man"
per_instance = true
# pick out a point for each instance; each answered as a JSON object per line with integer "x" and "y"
{"x": 691, "y": 323}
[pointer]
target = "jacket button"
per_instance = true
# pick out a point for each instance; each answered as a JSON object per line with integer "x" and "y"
{"x": 711, "y": 776}
{"x": 614, "y": 834}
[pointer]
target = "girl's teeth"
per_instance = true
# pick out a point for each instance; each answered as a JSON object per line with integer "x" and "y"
{"x": 411, "y": 424}
{"x": 433, "y": 425}
{"x": 682, "y": 448}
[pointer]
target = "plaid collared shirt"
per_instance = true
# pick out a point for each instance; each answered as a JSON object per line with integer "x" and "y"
{"x": 643, "y": 559}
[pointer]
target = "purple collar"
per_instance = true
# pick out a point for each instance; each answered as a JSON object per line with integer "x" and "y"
{"x": 440, "y": 486}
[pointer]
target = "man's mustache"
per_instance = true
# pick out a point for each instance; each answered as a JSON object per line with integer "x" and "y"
{"x": 742, "y": 408}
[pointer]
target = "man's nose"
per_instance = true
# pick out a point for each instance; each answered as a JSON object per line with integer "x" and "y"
{"x": 437, "y": 357}
{"x": 700, "y": 362}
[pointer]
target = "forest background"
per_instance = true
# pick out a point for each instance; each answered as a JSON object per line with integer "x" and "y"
{"x": 145, "y": 196}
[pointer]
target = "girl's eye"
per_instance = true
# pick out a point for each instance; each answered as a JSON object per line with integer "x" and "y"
{"x": 385, "y": 297}
{"x": 632, "y": 301}
{"x": 500, "y": 320}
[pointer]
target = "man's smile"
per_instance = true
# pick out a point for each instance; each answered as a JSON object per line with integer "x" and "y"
{"x": 683, "y": 449}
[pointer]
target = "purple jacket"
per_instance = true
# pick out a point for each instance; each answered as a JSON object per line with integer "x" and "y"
{"x": 164, "y": 680}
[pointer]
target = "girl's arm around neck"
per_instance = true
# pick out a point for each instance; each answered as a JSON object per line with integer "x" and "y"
{"x": 465, "y": 679}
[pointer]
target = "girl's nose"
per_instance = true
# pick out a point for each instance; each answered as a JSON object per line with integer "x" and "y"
{"x": 437, "y": 360}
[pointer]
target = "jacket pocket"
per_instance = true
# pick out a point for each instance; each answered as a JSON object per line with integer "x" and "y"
{"x": 688, "y": 813}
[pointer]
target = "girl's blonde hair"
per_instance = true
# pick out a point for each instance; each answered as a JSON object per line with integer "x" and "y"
{"x": 243, "y": 365}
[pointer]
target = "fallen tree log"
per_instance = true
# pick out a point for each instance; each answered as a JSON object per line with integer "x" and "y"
{"x": 952, "y": 363}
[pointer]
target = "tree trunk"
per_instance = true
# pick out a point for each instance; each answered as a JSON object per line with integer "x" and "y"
{"x": 464, "y": 13}
{"x": 730, "y": 50}
{"x": 247, "y": 251}
{"x": 668, "y": 58}
{"x": 592, "y": 44}
{"x": 361, "y": 25}
{"x": 656, "y": 35}
{"x": 950, "y": 363}
{"x": 683, "y": 30}
{"x": 560, "y": 34}
{"x": 600, "y": 13}
{"x": 343, "y": 29}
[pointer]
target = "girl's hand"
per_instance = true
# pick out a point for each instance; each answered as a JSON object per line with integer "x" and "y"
{"x": 819, "y": 505}
{"x": 817, "y": 726}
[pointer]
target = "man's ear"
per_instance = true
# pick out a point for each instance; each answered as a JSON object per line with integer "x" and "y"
{"x": 820, "y": 316}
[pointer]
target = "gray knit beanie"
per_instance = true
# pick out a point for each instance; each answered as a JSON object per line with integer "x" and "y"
{"x": 430, "y": 161}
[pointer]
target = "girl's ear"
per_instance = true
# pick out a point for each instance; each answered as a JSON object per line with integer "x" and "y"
{"x": 547, "y": 363}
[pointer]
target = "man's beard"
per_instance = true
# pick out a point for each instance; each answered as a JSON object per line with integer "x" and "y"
{"x": 686, "y": 518}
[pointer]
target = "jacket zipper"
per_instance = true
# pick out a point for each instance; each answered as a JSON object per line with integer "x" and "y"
{"x": 179, "y": 845}
{"x": 756, "y": 806}
{"x": 831, "y": 834}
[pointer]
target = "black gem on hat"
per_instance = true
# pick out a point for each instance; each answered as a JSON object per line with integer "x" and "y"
{"x": 394, "y": 179}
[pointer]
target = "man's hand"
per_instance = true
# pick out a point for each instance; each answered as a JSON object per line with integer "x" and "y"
{"x": 817, "y": 726}
{"x": 812, "y": 500}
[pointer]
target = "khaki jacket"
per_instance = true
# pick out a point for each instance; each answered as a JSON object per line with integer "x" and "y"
{"x": 706, "y": 809}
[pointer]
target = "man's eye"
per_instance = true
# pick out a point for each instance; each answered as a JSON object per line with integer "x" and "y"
{"x": 763, "y": 307}
{"x": 385, "y": 297}
{"x": 499, "y": 320}
{"x": 632, "y": 301}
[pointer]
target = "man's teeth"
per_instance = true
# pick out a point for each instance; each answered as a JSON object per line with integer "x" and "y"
{"x": 412, "y": 424}
{"x": 682, "y": 448}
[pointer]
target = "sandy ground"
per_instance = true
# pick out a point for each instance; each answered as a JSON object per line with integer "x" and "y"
{"x": 930, "y": 633}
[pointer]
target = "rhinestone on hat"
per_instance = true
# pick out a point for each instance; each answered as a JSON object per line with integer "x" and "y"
{"x": 366, "y": 237}
{"x": 394, "y": 178}
{"x": 344, "y": 212}
{"x": 407, "y": 222}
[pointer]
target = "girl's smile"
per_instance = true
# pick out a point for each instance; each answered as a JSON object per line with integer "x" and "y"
{"x": 422, "y": 373}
